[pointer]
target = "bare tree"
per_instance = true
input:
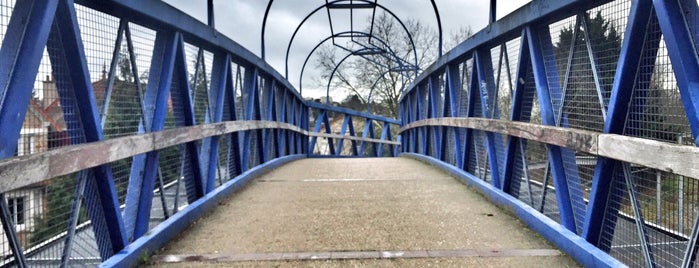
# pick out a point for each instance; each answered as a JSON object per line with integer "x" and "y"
{"x": 388, "y": 65}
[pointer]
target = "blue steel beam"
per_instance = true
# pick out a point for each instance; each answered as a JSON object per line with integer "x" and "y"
{"x": 319, "y": 123}
{"x": 487, "y": 88}
{"x": 513, "y": 143}
{"x": 320, "y": 106}
{"x": 251, "y": 89}
{"x": 233, "y": 154}
{"x": 219, "y": 82}
{"x": 270, "y": 115}
{"x": 473, "y": 97}
{"x": 622, "y": 89}
{"x": 184, "y": 116}
{"x": 434, "y": 134}
{"x": 682, "y": 49}
{"x": 20, "y": 56}
{"x": 536, "y": 49}
{"x": 155, "y": 99}
{"x": 75, "y": 90}
{"x": 453, "y": 86}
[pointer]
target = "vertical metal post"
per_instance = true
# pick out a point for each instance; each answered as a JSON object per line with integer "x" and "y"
{"x": 210, "y": 13}
{"x": 493, "y": 5}
{"x": 658, "y": 197}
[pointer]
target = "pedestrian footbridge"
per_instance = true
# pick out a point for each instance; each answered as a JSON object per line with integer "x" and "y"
{"x": 562, "y": 134}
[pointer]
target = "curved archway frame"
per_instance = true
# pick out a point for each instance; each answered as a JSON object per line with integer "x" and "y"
{"x": 401, "y": 62}
{"x": 328, "y": 4}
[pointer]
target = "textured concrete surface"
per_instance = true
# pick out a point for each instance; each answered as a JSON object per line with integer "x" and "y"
{"x": 367, "y": 204}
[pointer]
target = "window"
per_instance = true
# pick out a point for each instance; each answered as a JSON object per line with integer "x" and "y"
{"x": 27, "y": 145}
{"x": 16, "y": 206}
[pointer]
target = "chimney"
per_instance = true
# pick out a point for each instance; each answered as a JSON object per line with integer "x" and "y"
{"x": 104, "y": 71}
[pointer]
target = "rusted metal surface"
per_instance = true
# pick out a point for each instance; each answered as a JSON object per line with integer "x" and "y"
{"x": 345, "y": 255}
{"x": 673, "y": 158}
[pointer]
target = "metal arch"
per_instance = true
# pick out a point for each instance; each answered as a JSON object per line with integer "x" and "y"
{"x": 332, "y": 74}
{"x": 330, "y": 79}
{"x": 439, "y": 26}
{"x": 399, "y": 60}
{"x": 264, "y": 24}
{"x": 371, "y": 90}
{"x": 288, "y": 48}
{"x": 434, "y": 7}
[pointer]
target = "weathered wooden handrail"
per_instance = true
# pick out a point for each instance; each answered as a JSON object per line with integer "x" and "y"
{"x": 665, "y": 156}
{"x": 26, "y": 170}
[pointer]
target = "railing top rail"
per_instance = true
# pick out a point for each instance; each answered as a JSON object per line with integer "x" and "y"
{"x": 508, "y": 27}
{"x": 159, "y": 15}
{"x": 317, "y": 105}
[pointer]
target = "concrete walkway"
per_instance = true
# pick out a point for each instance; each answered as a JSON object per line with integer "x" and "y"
{"x": 387, "y": 212}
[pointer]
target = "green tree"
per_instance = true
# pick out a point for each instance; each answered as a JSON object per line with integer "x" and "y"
{"x": 582, "y": 104}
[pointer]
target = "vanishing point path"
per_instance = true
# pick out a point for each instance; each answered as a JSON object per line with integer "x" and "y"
{"x": 386, "y": 212}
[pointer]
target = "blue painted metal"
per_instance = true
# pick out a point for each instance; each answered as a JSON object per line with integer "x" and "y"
{"x": 507, "y": 28}
{"x": 320, "y": 106}
{"x": 473, "y": 97}
{"x": 252, "y": 112}
{"x": 488, "y": 98}
{"x": 160, "y": 15}
{"x": 182, "y": 97}
{"x": 219, "y": 82}
{"x": 454, "y": 87}
{"x": 268, "y": 96}
{"x": 270, "y": 114}
{"x": 682, "y": 49}
{"x": 570, "y": 243}
{"x": 172, "y": 227}
{"x": 155, "y": 99}
{"x": 343, "y": 130}
{"x": 434, "y": 135}
{"x": 20, "y": 56}
{"x": 319, "y": 123}
{"x": 540, "y": 39}
{"x": 112, "y": 71}
{"x": 234, "y": 162}
{"x": 70, "y": 69}
{"x": 624, "y": 79}
{"x": 513, "y": 143}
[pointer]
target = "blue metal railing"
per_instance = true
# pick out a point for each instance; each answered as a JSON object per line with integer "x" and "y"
{"x": 580, "y": 115}
{"x": 123, "y": 121}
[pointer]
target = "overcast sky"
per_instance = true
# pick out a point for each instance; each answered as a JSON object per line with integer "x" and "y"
{"x": 241, "y": 20}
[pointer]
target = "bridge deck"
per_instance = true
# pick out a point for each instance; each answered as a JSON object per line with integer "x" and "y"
{"x": 375, "y": 212}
